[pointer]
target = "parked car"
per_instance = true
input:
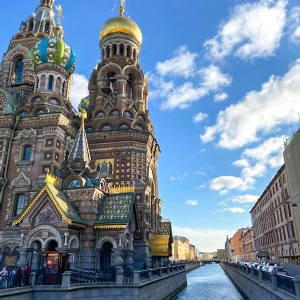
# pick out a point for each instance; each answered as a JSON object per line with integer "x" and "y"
{"x": 278, "y": 270}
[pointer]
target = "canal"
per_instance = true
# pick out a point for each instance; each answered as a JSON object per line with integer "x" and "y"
{"x": 209, "y": 282}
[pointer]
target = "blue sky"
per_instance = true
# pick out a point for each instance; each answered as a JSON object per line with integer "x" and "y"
{"x": 224, "y": 81}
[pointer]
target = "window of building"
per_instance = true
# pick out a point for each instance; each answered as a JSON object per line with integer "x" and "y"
{"x": 45, "y": 169}
{"x": 50, "y": 82}
{"x": 26, "y": 153}
{"x": 19, "y": 67}
{"x": 47, "y": 155}
{"x": 49, "y": 142}
{"x": 20, "y": 204}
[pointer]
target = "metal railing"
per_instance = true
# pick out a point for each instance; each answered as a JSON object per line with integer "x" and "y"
{"x": 282, "y": 282}
{"x": 286, "y": 283}
{"x": 82, "y": 276}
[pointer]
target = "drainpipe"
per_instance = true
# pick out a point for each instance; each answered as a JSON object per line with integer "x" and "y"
{"x": 7, "y": 159}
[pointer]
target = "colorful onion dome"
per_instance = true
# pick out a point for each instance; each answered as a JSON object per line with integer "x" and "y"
{"x": 84, "y": 104}
{"x": 53, "y": 50}
{"x": 123, "y": 25}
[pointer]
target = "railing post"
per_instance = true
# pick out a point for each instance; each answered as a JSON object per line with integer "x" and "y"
{"x": 136, "y": 277}
{"x": 149, "y": 274}
{"x": 260, "y": 275}
{"x": 66, "y": 279}
{"x": 32, "y": 278}
{"x": 274, "y": 281}
{"x": 252, "y": 272}
{"x": 296, "y": 281}
{"x": 160, "y": 272}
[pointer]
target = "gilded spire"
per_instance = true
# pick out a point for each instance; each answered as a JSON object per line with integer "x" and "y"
{"x": 59, "y": 14}
{"x": 122, "y": 7}
{"x": 80, "y": 148}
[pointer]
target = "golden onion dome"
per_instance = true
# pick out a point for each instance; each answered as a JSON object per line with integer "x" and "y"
{"x": 123, "y": 25}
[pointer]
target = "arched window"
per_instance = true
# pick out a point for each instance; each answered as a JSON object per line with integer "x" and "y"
{"x": 122, "y": 49}
{"x": 30, "y": 25}
{"x": 26, "y": 153}
{"x": 19, "y": 204}
{"x": 47, "y": 25}
{"x": 50, "y": 82}
{"x": 114, "y": 49}
{"x": 19, "y": 67}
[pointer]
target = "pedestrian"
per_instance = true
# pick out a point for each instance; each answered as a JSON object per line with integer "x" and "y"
{"x": 26, "y": 274}
{"x": 12, "y": 278}
{"x": 18, "y": 277}
{"x": 3, "y": 278}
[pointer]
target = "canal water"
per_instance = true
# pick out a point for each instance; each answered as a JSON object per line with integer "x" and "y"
{"x": 209, "y": 282}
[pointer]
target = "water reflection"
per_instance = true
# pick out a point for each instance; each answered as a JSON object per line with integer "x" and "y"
{"x": 209, "y": 283}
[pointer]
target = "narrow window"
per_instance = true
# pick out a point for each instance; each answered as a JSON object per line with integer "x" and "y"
{"x": 50, "y": 83}
{"x": 19, "y": 67}
{"x": 26, "y": 153}
{"x": 20, "y": 204}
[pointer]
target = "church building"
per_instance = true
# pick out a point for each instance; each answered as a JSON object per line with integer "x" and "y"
{"x": 78, "y": 187}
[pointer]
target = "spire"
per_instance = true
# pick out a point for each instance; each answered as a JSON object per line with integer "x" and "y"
{"x": 122, "y": 8}
{"x": 80, "y": 148}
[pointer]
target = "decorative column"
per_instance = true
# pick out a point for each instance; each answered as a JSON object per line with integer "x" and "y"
{"x": 121, "y": 84}
{"x": 119, "y": 263}
{"x": 128, "y": 259}
{"x": 23, "y": 260}
{"x": 34, "y": 262}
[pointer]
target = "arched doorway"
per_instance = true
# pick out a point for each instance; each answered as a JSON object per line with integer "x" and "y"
{"x": 105, "y": 256}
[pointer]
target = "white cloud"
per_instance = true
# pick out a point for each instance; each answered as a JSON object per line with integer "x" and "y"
{"x": 182, "y": 64}
{"x": 294, "y": 25}
{"x": 245, "y": 199}
{"x": 213, "y": 79}
{"x": 258, "y": 170}
{"x": 199, "y": 117}
{"x": 191, "y": 202}
{"x": 235, "y": 210}
{"x": 265, "y": 110}
{"x": 220, "y": 97}
{"x": 269, "y": 152}
{"x": 253, "y": 30}
{"x": 182, "y": 93}
{"x": 204, "y": 239}
{"x": 79, "y": 89}
{"x": 178, "y": 177}
{"x": 241, "y": 163}
{"x": 182, "y": 96}
{"x": 231, "y": 182}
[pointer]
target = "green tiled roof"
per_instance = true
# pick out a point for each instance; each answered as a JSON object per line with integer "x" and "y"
{"x": 115, "y": 211}
{"x": 64, "y": 204}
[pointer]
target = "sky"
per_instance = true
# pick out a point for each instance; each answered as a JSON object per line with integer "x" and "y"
{"x": 224, "y": 79}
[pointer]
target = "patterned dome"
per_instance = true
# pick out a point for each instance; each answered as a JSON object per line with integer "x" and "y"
{"x": 53, "y": 50}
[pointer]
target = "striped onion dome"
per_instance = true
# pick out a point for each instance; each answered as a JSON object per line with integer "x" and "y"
{"x": 53, "y": 50}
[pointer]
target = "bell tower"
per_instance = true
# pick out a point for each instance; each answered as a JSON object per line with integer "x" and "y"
{"x": 119, "y": 128}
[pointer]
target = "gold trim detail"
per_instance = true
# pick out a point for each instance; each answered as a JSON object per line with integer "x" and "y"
{"x": 121, "y": 189}
{"x": 110, "y": 226}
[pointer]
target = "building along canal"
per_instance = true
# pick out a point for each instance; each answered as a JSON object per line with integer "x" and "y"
{"x": 209, "y": 282}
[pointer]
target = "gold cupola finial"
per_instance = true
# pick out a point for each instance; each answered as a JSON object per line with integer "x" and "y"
{"x": 59, "y": 14}
{"x": 122, "y": 8}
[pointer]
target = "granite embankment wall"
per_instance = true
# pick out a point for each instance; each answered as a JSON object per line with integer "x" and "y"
{"x": 163, "y": 287}
{"x": 253, "y": 288}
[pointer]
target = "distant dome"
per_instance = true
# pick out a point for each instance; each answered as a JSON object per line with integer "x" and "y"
{"x": 53, "y": 50}
{"x": 123, "y": 25}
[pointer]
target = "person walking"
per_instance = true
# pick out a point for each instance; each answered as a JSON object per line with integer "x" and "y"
{"x": 26, "y": 275}
{"x": 12, "y": 279}
{"x": 18, "y": 277}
